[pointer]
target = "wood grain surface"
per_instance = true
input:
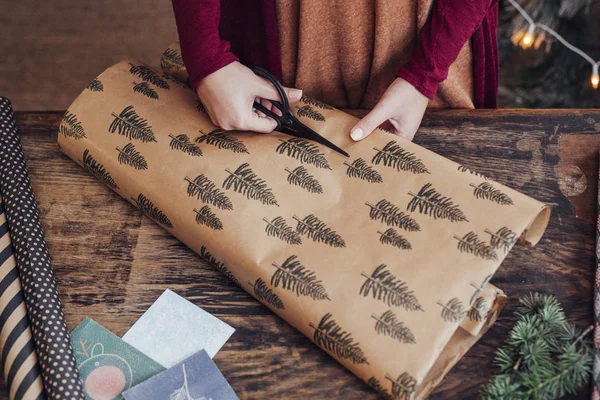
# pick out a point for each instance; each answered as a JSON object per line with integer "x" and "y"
{"x": 112, "y": 263}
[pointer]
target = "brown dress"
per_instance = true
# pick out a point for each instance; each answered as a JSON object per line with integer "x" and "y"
{"x": 347, "y": 53}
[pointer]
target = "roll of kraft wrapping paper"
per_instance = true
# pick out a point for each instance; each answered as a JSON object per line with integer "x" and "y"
{"x": 19, "y": 359}
{"x": 53, "y": 346}
{"x": 378, "y": 258}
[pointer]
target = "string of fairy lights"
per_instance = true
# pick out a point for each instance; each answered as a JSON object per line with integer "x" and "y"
{"x": 527, "y": 39}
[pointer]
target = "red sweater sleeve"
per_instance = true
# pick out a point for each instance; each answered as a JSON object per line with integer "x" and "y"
{"x": 202, "y": 49}
{"x": 449, "y": 26}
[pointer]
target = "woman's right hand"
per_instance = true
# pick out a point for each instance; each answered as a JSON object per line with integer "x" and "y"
{"x": 229, "y": 93}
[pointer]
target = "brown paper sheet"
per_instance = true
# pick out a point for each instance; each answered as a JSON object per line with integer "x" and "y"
{"x": 379, "y": 258}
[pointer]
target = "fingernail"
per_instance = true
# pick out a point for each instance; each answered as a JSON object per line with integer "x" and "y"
{"x": 357, "y": 134}
{"x": 296, "y": 93}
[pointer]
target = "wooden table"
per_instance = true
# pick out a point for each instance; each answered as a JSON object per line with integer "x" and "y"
{"x": 112, "y": 263}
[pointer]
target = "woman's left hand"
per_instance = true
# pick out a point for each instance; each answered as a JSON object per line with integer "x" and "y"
{"x": 401, "y": 104}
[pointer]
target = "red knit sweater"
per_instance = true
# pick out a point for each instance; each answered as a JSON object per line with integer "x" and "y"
{"x": 214, "y": 33}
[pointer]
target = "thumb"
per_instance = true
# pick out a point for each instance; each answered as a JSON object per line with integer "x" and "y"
{"x": 369, "y": 123}
{"x": 293, "y": 94}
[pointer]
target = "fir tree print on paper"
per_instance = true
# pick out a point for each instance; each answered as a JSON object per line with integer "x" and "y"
{"x": 220, "y": 266}
{"x": 96, "y": 86}
{"x": 171, "y": 59}
{"x": 128, "y": 155}
{"x": 453, "y": 311}
{"x": 395, "y": 156}
{"x": 403, "y": 387}
{"x": 384, "y": 286}
{"x": 462, "y": 168}
{"x": 300, "y": 177}
{"x": 222, "y": 140}
{"x": 303, "y": 151}
{"x": 479, "y": 288}
{"x": 430, "y": 202}
{"x": 307, "y": 111}
{"x": 147, "y": 74}
{"x": 129, "y": 124}
{"x": 378, "y": 387}
{"x": 503, "y": 238}
{"x": 391, "y": 215}
{"x": 279, "y": 228}
{"x": 387, "y": 324}
{"x": 479, "y": 310}
{"x": 295, "y": 277}
{"x": 182, "y": 142}
{"x": 246, "y": 182}
{"x": 393, "y": 238}
{"x": 147, "y": 207}
{"x": 96, "y": 169}
{"x": 471, "y": 244}
{"x": 262, "y": 292}
{"x": 318, "y": 231}
{"x": 184, "y": 85}
{"x": 200, "y": 107}
{"x": 206, "y": 217}
{"x": 145, "y": 89}
{"x": 486, "y": 191}
{"x": 361, "y": 170}
{"x": 332, "y": 338}
{"x": 207, "y": 191}
{"x": 71, "y": 127}
{"x": 315, "y": 103}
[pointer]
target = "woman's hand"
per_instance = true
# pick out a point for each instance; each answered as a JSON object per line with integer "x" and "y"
{"x": 228, "y": 95}
{"x": 401, "y": 104}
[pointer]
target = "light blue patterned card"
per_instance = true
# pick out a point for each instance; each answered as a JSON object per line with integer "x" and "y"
{"x": 173, "y": 329}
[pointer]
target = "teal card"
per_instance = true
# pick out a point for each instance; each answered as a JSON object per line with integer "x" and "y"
{"x": 107, "y": 365}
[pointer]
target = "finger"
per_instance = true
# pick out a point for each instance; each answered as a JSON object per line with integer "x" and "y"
{"x": 293, "y": 94}
{"x": 264, "y": 103}
{"x": 370, "y": 122}
{"x": 261, "y": 124}
{"x": 267, "y": 91}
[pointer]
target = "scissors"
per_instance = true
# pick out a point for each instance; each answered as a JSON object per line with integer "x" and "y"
{"x": 287, "y": 123}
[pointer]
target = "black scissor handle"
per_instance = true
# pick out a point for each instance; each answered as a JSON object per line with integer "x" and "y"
{"x": 284, "y": 105}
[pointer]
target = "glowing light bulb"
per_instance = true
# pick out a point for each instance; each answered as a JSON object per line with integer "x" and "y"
{"x": 528, "y": 37}
{"x": 595, "y": 77}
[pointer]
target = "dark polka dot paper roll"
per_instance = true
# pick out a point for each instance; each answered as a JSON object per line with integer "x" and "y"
{"x": 50, "y": 334}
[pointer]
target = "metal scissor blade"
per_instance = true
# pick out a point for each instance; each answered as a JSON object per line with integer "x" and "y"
{"x": 302, "y": 131}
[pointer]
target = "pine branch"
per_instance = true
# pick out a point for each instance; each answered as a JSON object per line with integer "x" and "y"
{"x": 96, "y": 169}
{"x": 318, "y": 231}
{"x": 315, "y": 103}
{"x": 391, "y": 215}
{"x": 429, "y": 202}
{"x": 383, "y": 285}
{"x": 453, "y": 311}
{"x": 265, "y": 294}
{"x": 395, "y": 156}
{"x": 221, "y": 140}
{"x": 207, "y": 191}
{"x": 206, "y": 217}
{"x": 309, "y": 112}
{"x": 387, "y": 324}
{"x": 293, "y": 276}
{"x": 246, "y": 182}
{"x": 479, "y": 310}
{"x": 145, "y": 89}
{"x": 147, "y": 74}
{"x": 182, "y": 142}
{"x": 128, "y": 123}
{"x": 404, "y": 387}
{"x": 392, "y": 237}
{"x": 128, "y": 155}
{"x": 151, "y": 211}
{"x": 360, "y": 169}
{"x": 300, "y": 177}
{"x": 303, "y": 151}
{"x": 279, "y": 228}
{"x": 503, "y": 237}
{"x": 71, "y": 127}
{"x": 220, "y": 266}
{"x": 378, "y": 387}
{"x": 486, "y": 191}
{"x": 462, "y": 168}
{"x": 471, "y": 244}
{"x": 331, "y": 337}
{"x": 96, "y": 85}
{"x": 171, "y": 60}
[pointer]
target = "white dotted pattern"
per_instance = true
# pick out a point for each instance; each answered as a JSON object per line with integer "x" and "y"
{"x": 53, "y": 345}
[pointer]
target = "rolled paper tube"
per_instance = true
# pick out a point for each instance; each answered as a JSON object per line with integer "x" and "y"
{"x": 50, "y": 335}
{"x": 378, "y": 258}
{"x": 19, "y": 359}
